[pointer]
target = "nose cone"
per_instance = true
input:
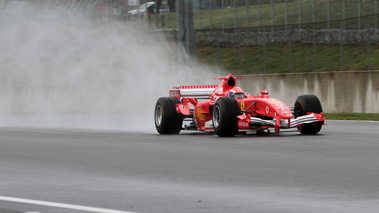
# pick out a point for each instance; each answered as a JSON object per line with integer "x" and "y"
{"x": 285, "y": 113}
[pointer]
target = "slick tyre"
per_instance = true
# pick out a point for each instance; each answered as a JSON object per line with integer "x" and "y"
{"x": 167, "y": 120}
{"x": 224, "y": 117}
{"x": 303, "y": 105}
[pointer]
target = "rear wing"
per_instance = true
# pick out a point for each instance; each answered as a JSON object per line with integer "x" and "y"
{"x": 192, "y": 91}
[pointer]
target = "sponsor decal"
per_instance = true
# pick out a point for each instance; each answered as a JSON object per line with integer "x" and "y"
{"x": 279, "y": 105}
{"x": 275, "y": 102}
{"x": 242, "y": 106}
{"x": 200, "y": 114}
{"x": 267, "y": 109}
{"x": 182, "y": 107}
{"x": 243, "y": 124}
{"x": 175, "y": 93}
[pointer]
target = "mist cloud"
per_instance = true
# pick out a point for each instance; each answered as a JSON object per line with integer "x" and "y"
{"x": 55, "y": 64}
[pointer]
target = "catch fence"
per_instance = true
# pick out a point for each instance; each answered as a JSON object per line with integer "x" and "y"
{"x": 307, "y": 27}
{"x": 264, "y": 36}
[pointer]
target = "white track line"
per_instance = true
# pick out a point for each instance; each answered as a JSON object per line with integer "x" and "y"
{"x": 60, "y": 205}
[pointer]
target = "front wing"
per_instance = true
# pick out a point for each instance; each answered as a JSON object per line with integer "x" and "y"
{"x": 254, "y": 122}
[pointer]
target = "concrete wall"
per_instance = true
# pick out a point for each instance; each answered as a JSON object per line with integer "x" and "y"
{"x": 338, "y": 91}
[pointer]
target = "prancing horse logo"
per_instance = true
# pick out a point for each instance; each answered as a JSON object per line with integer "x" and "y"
{"x": 242, "y": 106}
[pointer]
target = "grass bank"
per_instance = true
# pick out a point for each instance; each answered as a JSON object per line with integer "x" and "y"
{"x": 250, "y": 13}
{"x": 352, "y": 116}
{"x": 278, "y": 59}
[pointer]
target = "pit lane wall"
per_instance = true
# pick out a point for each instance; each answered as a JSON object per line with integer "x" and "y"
{"x": 339, "y": 92}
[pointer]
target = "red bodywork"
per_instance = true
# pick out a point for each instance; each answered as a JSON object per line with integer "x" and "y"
{"x": 258, "y": 112}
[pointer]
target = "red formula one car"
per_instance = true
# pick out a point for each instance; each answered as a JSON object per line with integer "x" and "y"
{"x": 227, "y": 110}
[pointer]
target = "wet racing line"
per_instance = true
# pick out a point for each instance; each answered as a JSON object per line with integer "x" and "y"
{"x": 126, "y": 172}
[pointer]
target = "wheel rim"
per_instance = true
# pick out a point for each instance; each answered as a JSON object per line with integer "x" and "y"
{"x": 158, "y": 115}
{"x": 216, "y": 117}
{"x": 299, "y": 110}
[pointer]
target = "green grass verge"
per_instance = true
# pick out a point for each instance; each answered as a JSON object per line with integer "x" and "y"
{"x": 352, "y": 116}
{"x": 251, "y": 14}
{"x": 250, "y": 59}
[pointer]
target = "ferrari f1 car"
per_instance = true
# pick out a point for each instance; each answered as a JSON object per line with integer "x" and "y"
{"x": 227, "y": 110}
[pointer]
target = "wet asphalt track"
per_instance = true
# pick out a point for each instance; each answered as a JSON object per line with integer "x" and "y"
{"x": 335, "y": 171}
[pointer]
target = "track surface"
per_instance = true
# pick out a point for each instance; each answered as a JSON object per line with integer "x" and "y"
{"x": 334, "y": 171}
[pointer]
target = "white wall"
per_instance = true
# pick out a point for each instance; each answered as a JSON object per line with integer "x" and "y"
{"x": 338, "y": 92}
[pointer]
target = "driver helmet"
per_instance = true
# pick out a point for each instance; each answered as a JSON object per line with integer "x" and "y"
{"x": 236, "y": 92}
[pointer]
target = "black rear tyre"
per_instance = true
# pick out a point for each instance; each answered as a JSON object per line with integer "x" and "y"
{"x": 224, "y": 117}
{"x": 167, "y": 120}
{"x": 303, "y": 105}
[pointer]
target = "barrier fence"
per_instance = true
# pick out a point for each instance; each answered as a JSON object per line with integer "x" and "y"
{"x": 256, "y": 30}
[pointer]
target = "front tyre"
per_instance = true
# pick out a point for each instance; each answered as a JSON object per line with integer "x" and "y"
{"x": 305, "y": 104}
{"x": 167, "y": 120}
{"x": 224, "y": 117}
